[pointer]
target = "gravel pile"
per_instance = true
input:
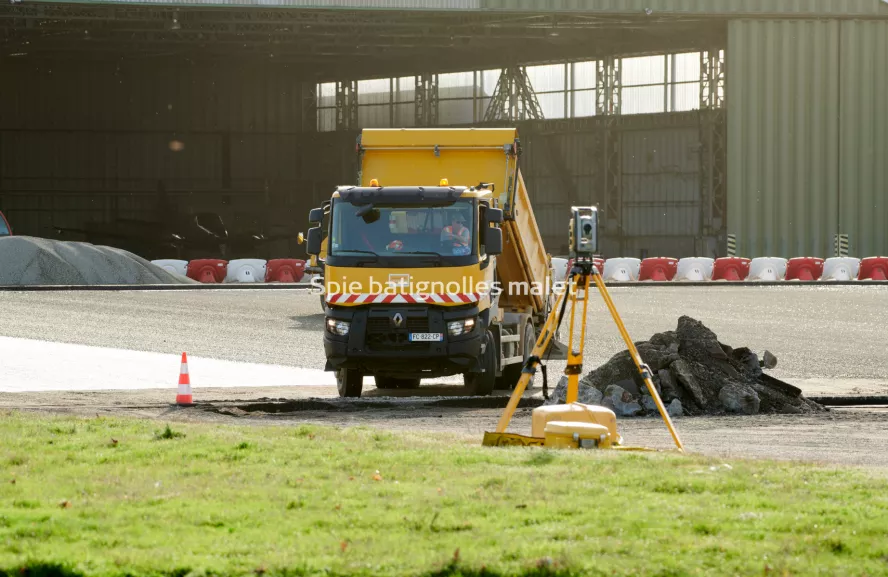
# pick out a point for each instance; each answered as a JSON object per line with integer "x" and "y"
{"x": 27, "y": 260}
{"x": 694, "y": 374}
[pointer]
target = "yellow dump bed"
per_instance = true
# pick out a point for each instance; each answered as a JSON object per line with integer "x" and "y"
{"x": 468, "y": 157}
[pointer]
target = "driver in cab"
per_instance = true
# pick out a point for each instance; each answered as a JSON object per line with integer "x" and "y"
{"x": 457, "y": 235}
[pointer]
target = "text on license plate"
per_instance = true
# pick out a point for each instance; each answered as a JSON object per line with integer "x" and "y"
{"x": 426, "y": 337}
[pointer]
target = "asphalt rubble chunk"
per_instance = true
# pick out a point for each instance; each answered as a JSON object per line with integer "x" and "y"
{"x": 694, "y": 374}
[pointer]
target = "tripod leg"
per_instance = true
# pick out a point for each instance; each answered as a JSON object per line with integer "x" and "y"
{"x": 575, "y": 354}
{"x": 636, "y": 358}
{"x": 533, "y": 360}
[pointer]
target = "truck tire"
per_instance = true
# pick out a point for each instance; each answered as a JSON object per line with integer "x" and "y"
{"x": 512, "y": 373}
{"x": 395, "y": 383}
{"x": 349, "y": 382}
{"x": 482, "y": 383}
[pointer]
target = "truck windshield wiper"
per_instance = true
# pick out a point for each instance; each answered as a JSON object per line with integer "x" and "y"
{"x": 426, "y": 252}
{"x": 342, "y": 250}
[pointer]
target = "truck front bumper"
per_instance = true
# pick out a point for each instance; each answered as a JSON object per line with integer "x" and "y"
{"x": 376, "y": 344}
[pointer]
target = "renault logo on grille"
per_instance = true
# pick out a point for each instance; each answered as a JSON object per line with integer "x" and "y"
{"x": 397, "y": 319}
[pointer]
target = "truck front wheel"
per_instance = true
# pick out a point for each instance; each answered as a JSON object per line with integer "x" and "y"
{"x": 349, "y": 382}
{"x": 512, "y": 373}
{"x": 482, "y": 383}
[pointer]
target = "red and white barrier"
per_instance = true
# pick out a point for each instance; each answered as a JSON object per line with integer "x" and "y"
{"x": 873, "y": 268}
{"x": 840, "y": 268}
{"x": 658, "y": 269}
{"x": 695, "y": 269}
{"x": 662, "y": 269}
{"x": 172, "y": 265}
{"x": 207, "y": 270}
{"x": 767, "y": 268}
{"x": 245, "y": 270}
{"x": 621, "y": 269}
{"x": 598, "y": 263}
{"x": 806, "y": 268}
{"x": 731, "y": 269}
{"x": 285, "y": 270}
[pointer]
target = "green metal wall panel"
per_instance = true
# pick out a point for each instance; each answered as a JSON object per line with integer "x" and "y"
{"x": 712, "y": 7}
{"x": 863, "y": 184}
{"x": 783, "y": 136}
{"x": 807, "y": 136}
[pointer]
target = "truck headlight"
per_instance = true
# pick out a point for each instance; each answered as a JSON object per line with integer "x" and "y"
{"x": 460, "y": 327}
{"x": 338, "y": 327}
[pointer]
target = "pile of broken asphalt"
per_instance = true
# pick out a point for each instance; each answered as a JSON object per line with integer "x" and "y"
{"x": 694, "y": 374}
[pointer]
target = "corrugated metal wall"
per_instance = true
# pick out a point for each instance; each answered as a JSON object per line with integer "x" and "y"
{"x": 863, "y": 124}
{"x": 708, "y": 7}
{"x": 661, "y": 183}
{"x": 660, "y": 189}
{"x": 807, "y": 136}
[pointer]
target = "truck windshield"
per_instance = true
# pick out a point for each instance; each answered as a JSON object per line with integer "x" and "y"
{"x": 412, "y": 230}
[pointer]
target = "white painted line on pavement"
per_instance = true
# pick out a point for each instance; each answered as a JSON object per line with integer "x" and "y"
{"x": 30, "y": 365}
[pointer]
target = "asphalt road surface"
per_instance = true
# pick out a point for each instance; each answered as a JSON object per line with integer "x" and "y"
{"x": 830, "y": 339}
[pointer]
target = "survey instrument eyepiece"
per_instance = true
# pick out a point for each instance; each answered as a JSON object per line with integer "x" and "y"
{"x": 583, "y": 231}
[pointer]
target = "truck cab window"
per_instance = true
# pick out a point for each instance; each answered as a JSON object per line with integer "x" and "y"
{"x": 394, "y": 230}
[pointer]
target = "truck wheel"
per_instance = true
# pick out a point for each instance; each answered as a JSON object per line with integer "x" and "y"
{"x": 395, "y": 383}
{"x": 349, "y": 382}
{"x": 482, "y": 383}
{"x": 512, "y": 373}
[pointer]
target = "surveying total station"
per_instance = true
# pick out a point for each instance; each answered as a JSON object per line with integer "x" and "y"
{"x": 573, "y": 424}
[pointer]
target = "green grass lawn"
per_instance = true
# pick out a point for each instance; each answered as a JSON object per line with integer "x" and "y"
{"x": 238, "y": 500}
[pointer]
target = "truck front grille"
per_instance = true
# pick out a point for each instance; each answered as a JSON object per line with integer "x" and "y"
{"x": 381, "y": 335}
{"x": 382, "y": 325}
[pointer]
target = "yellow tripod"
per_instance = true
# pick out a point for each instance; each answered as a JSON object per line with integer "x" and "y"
{"x": 581, "y": 276}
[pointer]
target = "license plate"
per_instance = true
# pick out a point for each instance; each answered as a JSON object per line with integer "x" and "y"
{"x": 426, "y": 337}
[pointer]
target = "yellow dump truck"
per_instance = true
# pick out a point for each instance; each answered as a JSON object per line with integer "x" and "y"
{"x": 434, "y": 263}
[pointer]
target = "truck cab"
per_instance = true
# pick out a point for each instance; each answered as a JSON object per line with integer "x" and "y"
{"x": 408, "y": 278}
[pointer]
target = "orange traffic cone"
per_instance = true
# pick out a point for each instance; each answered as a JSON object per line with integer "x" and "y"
{"x": 184, "y": 396}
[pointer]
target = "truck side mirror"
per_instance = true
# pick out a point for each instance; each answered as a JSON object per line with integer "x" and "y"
{"x": 316, "y": 215}
{"x": 493, "y": 240}
{"x": 313, "y": 246}
{"x": 493, "y": 215}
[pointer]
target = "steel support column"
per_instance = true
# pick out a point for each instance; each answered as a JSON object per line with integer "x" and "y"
{"x": 609, "y": 86}
{"x": 309, "y": 108}
{"x": 713, "y": 149}
{"x": 612, "y": 157}
{"x": 712, "y": 79}
{"x": 513, "y": 98}
{"x": 347, "y": 105}
{"x": 608, "y": 103}
{"x": 425, "y": 98}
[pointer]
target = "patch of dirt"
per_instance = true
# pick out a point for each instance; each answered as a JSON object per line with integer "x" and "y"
{"x": 284, "y": 407}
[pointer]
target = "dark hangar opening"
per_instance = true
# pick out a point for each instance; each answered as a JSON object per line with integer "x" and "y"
{"x": 133, "y": 112}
